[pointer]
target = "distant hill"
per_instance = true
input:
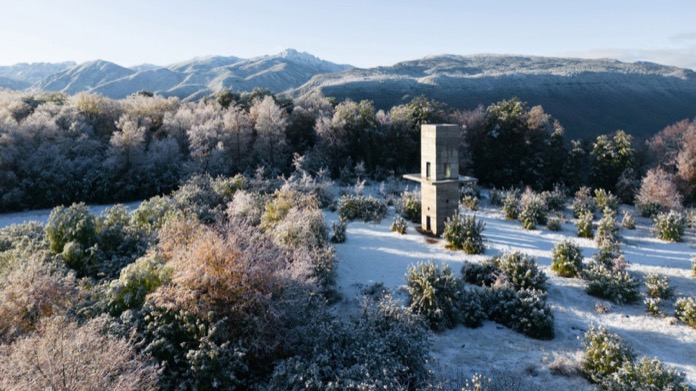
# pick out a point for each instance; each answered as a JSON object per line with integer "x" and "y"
{"x": 589, "y": 97}
{"x": 33, "y": 73}
{"x": 191, "y": 79}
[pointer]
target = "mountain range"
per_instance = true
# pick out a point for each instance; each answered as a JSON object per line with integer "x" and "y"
{"x": 589, "y": 97}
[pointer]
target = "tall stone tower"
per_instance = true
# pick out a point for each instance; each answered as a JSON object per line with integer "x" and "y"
{"x": 439, "y": 177}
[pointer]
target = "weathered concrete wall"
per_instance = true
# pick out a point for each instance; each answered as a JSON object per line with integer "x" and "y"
{"x": 439, "y": 148}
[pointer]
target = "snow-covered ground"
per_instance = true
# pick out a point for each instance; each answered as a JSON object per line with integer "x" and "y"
{"x": 41, "y": 215}
{"x": 372, "y": 254}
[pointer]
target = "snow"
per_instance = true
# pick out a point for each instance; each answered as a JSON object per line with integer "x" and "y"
{"x": 372, "y": 254}
{"x": 41, "y": 215}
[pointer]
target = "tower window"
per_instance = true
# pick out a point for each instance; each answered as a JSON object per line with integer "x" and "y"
{"x": 427, "y": 169}
{"x": 448, "y": 170}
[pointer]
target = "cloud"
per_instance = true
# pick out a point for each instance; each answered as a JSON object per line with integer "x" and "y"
{"x": 684, "y": 57}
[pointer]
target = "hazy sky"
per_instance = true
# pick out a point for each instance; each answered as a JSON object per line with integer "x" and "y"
{"x": 359, "y": 32}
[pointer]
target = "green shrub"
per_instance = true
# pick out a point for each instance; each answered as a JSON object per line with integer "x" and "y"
{"x": 72, "y": 232}
{"x": 566, "y": 259}
{"x": 648, "y": 208}
{"x": 605, "y": 353}
{"x": 385, "y": 348}
{"x": 464, "y": 233}
{"x": 628, "y": 221}
{"x": 135, "y": 282}
{"x": 685, "y": 310}
{"x": 607, "y": 230}
{"x": 521, "y": 271}
{"x": 368, "y": 209}
{"x": 658, "y": 286}
{"x": 532, "y": 210}
{"x": 524, "y": 311}
{"x": 152, "y": 213}
{"x": 670, "y": 226}
{"x": 584, "y": 224}
{"x": 434, "y": 292}
{"x": 72, "y": 224}
{"x": 470, "y": 202}
{"x": 339, "y": 231}
{"x": 647, "y": 375}
{"x": 554, "y": 199}
{"x": 615, "y": 285}
{"x": 604, "y": 199}
{"x": 495, "y": 197}
{"x": 482, "y": 274}
{"x": 399, "y": 225}
{"x": 410, "y": 206}
{"x": 583, "y": 202}
{"x": 554, "y": 223}
{"x": 652, "y": 306}
{"x": 471, "y": 309}
{"x": 511, "y": 204}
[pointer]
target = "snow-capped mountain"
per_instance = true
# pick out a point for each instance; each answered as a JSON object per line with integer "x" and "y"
{"x": 35, "y": 72}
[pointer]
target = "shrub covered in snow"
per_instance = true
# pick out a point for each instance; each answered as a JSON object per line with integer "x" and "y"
{"x": 470, "y": 202}
{"x": 511, "y": 204}
{"x": 685, "y": 310}
{"x": 384, "y": 349}
{"x": 532, "y": 210}
{"x": 410, "y": 206}
{"x": 670, "y": 226}
{"x": 605, "y": 353}
{"x": 63, "y": 355}
{"x": 693, "y": 267}
{"x": 495, "y": 197}
{"x": 135, "y": 282}
{"x": 71, "y": 232}
{"x": 152, "y": 213}
{"x": 583, "y": 202}
{"x": 628, "y": 221}
{"x": 368, "y": 209}
{"x": 482, "y": 274}
{"x": 648, "y": 374}
{"x": 610, "y": 363}
{"x": 434, "y": 292}
{"x": 604, "y": 199}
{"x": 611, "y": 284}
{"x": 658, "y": 286}
{"x": 555, "y": 199}
{"x": 554, "y": 223}
{"x": 652, "y": 306}
{"x": 523, "y": 310}
{"x": 339, "y": 231}
{"x": 521, "y": 271}
{"x": 399, "y": 225}
{"x": 471, "y": 310}
{"x": 584, "y": 225}
{"x": 566, "y": 259}
{"x": 464, "y": 233}
{"x": 607, "y": 229}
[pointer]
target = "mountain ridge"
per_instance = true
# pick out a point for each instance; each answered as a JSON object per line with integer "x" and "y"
{"x": 589, "y": 97}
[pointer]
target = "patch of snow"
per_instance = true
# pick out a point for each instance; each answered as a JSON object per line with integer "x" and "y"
{"x": 373, "y": 254}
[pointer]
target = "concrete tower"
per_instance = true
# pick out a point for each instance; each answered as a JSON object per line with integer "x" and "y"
{"x": 439, "y": 177}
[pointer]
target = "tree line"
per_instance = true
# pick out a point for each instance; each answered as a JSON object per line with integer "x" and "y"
{"x": 57, "y": 149}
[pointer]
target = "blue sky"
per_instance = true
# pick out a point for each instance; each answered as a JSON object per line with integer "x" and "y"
{"x": 359, "y": 32}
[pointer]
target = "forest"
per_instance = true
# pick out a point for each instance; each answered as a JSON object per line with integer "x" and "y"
{"x": 224, "y": 276}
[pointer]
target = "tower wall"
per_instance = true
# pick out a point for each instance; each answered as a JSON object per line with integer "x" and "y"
{"x": 439, "y": 175}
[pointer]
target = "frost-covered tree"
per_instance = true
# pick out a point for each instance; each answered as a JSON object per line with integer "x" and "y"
{"x": 269, "y": 122}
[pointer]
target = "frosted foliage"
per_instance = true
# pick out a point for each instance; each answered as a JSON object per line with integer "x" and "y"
{"x": 65, "y": 356}
{"x": 269, "y": 121}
